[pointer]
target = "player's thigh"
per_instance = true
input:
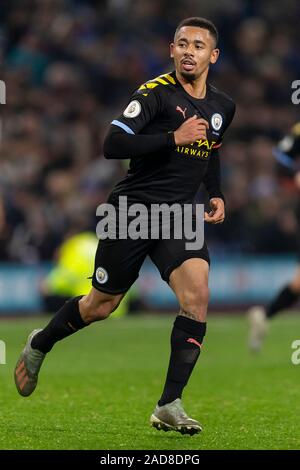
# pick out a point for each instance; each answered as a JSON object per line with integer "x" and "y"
{"x": 189, "y": 281}
{"x": 168, "y": 255}
{"x": 186, "y": 271}
{"x": 117, "y": 264}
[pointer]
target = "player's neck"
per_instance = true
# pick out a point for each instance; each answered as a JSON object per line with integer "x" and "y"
{"x": 196, "y": 88}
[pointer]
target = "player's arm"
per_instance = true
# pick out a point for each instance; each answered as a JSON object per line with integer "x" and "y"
{"x": 125, "y": 138}
{"x": 120, "y": 143}
{"x": 212, "y": 183}
{"x": 212, "y": 179}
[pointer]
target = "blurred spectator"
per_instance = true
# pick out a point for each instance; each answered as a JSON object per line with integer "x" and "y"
{"x": 70, "y": 66}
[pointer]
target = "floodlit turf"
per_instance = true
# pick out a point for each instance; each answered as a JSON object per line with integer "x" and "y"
{"x": 98, "y": 388}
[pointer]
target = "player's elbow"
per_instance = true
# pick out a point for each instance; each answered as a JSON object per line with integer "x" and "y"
{"x": 109, "y": 147}
{"x": 113, "y": 144}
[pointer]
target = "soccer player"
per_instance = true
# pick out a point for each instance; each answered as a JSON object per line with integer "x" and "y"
{"x": 287, "y": 153}
{"x": 171, "y": 130}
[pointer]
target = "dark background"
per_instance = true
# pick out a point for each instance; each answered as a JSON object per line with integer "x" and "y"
{"x": 69, "y": 68}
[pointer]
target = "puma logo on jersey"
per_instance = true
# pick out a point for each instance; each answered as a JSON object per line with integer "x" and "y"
{"x": 178, "y": 108}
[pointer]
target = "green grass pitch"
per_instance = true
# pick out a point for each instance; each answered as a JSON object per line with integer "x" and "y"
{"x": 98, "y": 388}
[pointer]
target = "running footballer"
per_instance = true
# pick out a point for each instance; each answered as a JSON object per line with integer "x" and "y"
{"x": 171, "y": 130}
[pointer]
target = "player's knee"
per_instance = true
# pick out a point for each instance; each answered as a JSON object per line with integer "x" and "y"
{"x": 100, "y": 310}
{"x": 195, "y": 301}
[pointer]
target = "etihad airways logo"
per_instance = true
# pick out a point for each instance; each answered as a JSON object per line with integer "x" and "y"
{"x": 200, "y": 148}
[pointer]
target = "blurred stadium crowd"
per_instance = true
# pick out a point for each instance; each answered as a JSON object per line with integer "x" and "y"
{"x": 70, "y": 66}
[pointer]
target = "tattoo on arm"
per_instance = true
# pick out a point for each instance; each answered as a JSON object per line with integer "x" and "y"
{"x": 184, "y": 313}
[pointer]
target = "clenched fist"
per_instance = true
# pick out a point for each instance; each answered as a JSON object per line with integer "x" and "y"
{"x": 191, "y": 130}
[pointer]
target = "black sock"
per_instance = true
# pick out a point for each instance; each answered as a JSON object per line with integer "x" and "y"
{"x": 66, "y": 322}
{"x": 284, "y": 299}
{"x": 186, "y": 339}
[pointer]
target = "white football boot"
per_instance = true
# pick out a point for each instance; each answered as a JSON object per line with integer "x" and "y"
{"x": 27, "y": 367}
{"x": 258, "y": 325}
{"x": 172, "y": 417}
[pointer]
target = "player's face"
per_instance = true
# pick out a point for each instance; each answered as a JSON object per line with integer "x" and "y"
{"x": 193, "y": 50}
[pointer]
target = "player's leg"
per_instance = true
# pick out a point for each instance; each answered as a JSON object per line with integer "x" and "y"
{"x": 259, "y": 315}
{"x": 190, "y": 283}
{"x": 117, "y": 265}
{"x": 187, "y": 274}
{"x": 73, "y": 316}
{"x": 287, "y": 297}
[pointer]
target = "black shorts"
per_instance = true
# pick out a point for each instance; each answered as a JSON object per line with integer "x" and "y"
{"x": 118, "y": 262}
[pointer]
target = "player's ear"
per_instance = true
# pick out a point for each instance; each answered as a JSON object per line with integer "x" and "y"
{"x": 214, "y": 56}
{"x": 172, "y": 50}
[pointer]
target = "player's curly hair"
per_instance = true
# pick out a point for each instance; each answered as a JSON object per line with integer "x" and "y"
{"x": 199, "y": 22}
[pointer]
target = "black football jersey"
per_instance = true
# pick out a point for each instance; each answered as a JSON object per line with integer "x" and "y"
{"x": 173, "y": 174}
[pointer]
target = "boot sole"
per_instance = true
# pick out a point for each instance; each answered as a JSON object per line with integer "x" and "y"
{"x": 183, "y": 429}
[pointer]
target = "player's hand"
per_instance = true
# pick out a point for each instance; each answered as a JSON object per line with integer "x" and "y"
{"x": 191, "y": 130}
{"x": 217, "y": 213}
